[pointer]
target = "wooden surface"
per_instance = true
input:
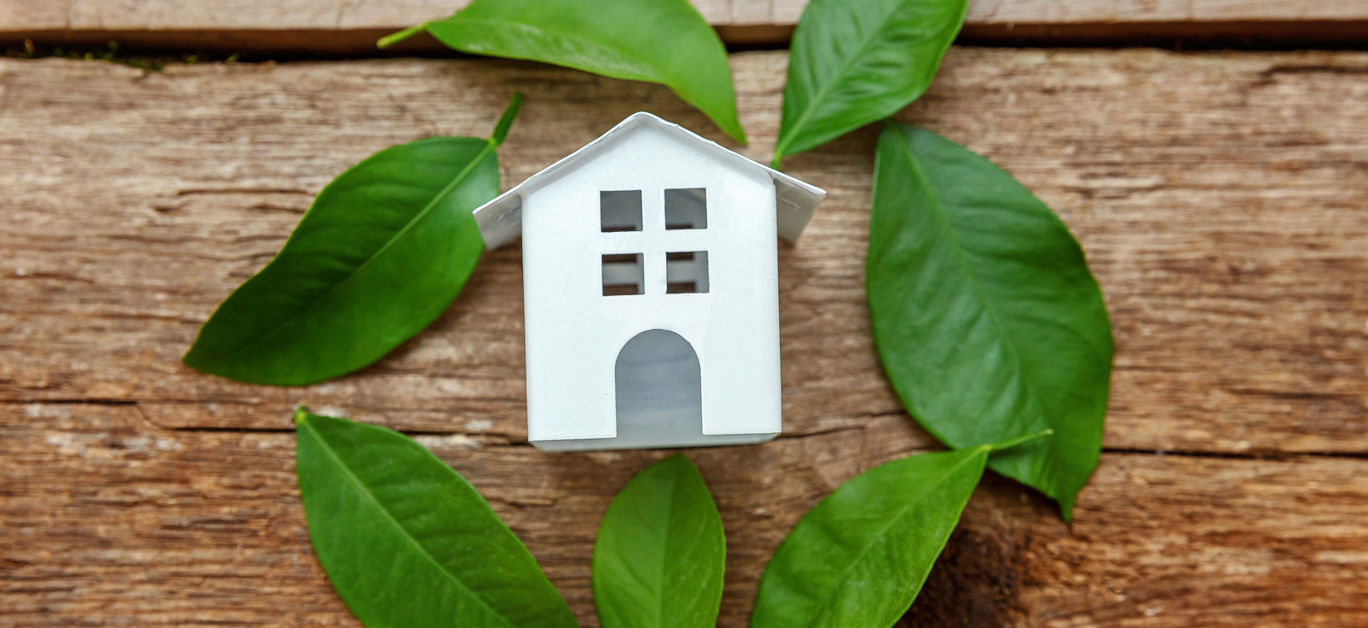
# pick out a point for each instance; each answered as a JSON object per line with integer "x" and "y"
{"x": 350, "y": 26}
{"x": 116, "y": 520}
{"x": 1222, "y": 199}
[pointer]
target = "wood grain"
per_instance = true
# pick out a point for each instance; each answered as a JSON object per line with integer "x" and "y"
{"x": 1221, "y": 199}
{"x": 110, "y": 520}
{"x": 352, "y": 26}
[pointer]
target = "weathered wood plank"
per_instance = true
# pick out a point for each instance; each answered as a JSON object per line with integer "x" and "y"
{"x": 1220, "y": 197}
{"x": 352, "y": 26}
{"x": 109, "y": 519}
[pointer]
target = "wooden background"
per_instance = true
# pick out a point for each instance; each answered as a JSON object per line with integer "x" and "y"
{"x": 1222, "y": 198}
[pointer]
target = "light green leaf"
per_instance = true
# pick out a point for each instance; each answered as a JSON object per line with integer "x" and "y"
{"x": 658, "y": 41}
{"x": 860, "y": 556}
{"x": 660, "y": 551}
{"x": 406, "y": 541}
{"x": 852, "y": 63}
{"x": 381, "y": 253}
{"x": 985, "y": 316}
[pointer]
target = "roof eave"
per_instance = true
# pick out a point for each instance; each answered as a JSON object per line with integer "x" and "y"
{"x": 500, "y": 220}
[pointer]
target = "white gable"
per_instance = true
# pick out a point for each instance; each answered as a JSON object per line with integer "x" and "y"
{"x": 500, "y": 220}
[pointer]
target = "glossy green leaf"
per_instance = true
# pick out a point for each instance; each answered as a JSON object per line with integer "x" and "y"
{"x": 658, "y": 41}
{"x": 660, "y": 551}
{"x": 985, "y": 316}
{"x": 381, "y": 253}
{"x": 860, "y": 556}
{"x": 852, "y": 63}
{"x": 406, "y": 541}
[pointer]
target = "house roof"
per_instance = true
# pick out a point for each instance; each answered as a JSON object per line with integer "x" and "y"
{"x": 500, "y": 220}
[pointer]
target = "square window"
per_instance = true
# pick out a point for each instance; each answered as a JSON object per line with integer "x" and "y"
{"x": 686, "y": 208}
{"x": 619, "y": 210}
{"x": 686, "y": 273}
{"x": 622, "y": 275}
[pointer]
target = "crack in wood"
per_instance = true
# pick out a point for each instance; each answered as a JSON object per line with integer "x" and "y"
{"x": 222, "y": 191}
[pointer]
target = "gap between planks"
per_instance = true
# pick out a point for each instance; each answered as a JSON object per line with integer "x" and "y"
{"x": 322, "y": 44}
{"x": 496, "y": 439}
{"x": 351, "y": 27}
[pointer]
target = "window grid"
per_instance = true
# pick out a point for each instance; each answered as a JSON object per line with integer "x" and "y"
{"x": 686, "y": 272}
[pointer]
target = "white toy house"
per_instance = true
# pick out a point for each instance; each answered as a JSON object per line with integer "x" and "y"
{"x": 650, "y": 281}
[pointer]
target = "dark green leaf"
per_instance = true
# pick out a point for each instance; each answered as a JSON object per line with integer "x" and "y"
{"x": 381, "y": 253}
{"x": 860, "y": 556}
{"x": 984, "y": 313}
{"x": 852, "y": 63}
{"x": 659, "y": 41}
{"x": 406, "y": 541}
{"x": 660, "y": 551}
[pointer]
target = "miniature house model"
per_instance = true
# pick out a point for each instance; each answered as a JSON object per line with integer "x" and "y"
{"x": 650, "y": 281}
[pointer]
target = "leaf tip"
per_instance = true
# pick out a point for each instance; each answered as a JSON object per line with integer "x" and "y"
{"x": 678, "y": 464}
{"x": 1066, "y": 506}
{"x": 188, "y": 357}
{"x": 739, "y": 134}
{"x": 199, "y": 359}
{"x": 676, "y": 459}
{"x": 301, "y": 414}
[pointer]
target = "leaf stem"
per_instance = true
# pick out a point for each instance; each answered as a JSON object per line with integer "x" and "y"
{"x": 1020, "y": 440}
{"x": 394, "y": 38}
{"x": 506, "y": 120}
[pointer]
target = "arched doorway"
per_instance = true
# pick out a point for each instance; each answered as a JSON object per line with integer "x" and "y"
{"x": 659, "y": 391}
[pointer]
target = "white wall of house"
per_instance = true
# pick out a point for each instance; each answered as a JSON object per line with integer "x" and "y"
{"x": 574, "y": 333}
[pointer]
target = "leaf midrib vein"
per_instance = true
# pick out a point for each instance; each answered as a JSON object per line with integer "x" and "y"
{"x": 1007, "y": 340}
{"x": 375, "y": 503}
{"x": 825, "y": 90}
{"x": 624, "y": 52}
{"x": 399, "y": 235}
{"x": 901, "y": 512}
{"x": 668, "y": 545}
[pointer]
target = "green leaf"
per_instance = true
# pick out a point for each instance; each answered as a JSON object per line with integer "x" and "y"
{"x": 381, "y": 253}
{"x": 860, "y": 556}
{"x": 406, "y": 541}
{"x": 852, "y": 63}
{"x": 658, "y": 41}
{"x": 984, "y": 313}
{"x": 660, "y": 551}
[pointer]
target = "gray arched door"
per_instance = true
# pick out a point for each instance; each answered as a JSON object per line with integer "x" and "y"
{"x": 659, "y": 391}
